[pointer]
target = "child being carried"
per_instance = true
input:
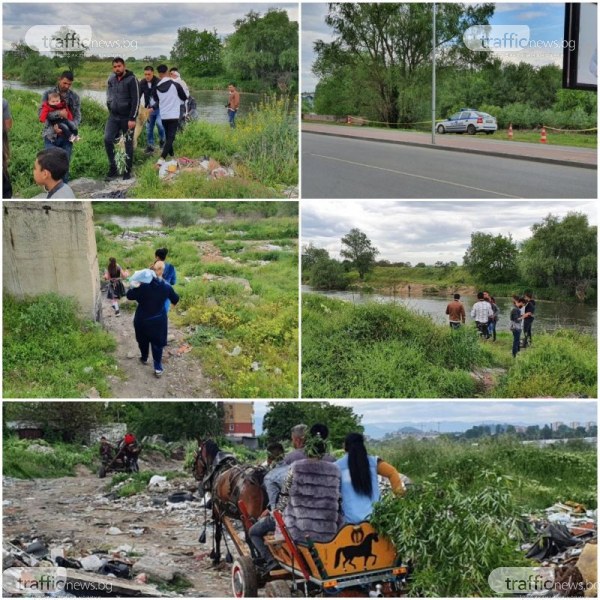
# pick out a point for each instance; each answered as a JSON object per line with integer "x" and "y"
{"x": 53, "y": 104}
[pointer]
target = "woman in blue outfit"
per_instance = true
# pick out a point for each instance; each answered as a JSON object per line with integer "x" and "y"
{"x": 169, "y": 274}
{"x": 150, "y": 321}
{"x": 360, "y": 489}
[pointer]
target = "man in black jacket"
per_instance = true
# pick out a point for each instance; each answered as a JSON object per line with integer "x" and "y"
{"x": 123, "y": 101}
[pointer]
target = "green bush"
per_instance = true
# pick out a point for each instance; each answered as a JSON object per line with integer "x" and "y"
{"x": 50, "y": 351}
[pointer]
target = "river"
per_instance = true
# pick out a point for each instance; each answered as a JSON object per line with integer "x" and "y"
{"x": 211, "y": 103}
{"x": 549, "y": 315}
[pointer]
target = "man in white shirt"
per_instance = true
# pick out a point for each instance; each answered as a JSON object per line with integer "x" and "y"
{"x": 481, "y": 312}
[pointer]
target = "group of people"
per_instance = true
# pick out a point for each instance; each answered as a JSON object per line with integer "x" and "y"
{"x": 164, "y": 94}
{"x": 315, "y": 493}
{"x": 152, "y": 289}
{"x": 485, "y": 313}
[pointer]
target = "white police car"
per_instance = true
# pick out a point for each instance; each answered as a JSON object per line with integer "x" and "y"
{"x": 468, "y": 120}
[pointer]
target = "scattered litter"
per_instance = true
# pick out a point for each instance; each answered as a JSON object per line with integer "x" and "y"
{"x": 255, "y": 366}
{"x": 157, "y": 482}
{"x": 91, "y": 563}
{"x": 235, "y": 352}
{"x": 114, "y": 531}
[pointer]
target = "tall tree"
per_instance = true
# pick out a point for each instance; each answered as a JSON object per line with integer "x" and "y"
{"x": 282, "y": 416}
{"x": 562, "y": 254}
{"x": 358, "y": 249}
{"x": 491, "y": 258}
{"x": 392, "y": 42}
{"x": 68, "y": 48}
{"x": 198, "y": 52}
{"x": 264, "y": 49}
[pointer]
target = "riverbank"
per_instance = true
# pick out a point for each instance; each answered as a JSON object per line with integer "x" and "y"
{"x": 93, "y": 75}
{"x": 388, "y": 351}
{"x": 447, "y": 281}
{"x": 259, "y": 158}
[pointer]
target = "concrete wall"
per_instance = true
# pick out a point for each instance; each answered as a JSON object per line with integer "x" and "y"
{"x": 51, "y": 247}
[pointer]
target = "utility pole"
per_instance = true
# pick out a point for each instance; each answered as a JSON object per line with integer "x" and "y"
{"x": 433, "y": 80}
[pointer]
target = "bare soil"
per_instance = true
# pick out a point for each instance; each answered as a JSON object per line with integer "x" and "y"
{"x": 182, "y": 377}
{"x": 75, "y": 513}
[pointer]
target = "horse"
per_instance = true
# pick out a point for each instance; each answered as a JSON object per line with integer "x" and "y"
{"x": 228, "y": 483}
{"x": 362, "y": 550}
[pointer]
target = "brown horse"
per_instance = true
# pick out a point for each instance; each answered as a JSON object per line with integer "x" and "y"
{"x": 228, "y": 483}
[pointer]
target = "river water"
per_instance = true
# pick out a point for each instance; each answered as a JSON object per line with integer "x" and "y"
{"x": 211, "y": 104}
{"x": 549, "y": 315}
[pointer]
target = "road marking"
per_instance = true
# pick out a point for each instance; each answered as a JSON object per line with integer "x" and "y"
{"x": 469, "y": 187}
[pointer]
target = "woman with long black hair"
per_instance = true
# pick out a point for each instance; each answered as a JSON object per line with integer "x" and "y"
{"x": 114, "y": 274}
{"x": 360, "y": 489}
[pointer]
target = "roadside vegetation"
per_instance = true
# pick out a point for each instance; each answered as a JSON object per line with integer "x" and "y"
{"x": 467, "y": 502}
{"x": 376, "y": 63}
{"x": 387, "y": 351}
{"x": 262, "y": 150}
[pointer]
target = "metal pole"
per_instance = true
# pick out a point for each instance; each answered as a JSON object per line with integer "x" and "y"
{"x": 433, "y": 81}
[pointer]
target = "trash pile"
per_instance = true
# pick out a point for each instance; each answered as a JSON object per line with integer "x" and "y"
{"x": 567, "y": 540}
{"x": 209, "y": 167}
{"x": 122, "y": 562}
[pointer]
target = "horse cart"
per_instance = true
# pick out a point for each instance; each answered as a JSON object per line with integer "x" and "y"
{"x": 357, "y": 562}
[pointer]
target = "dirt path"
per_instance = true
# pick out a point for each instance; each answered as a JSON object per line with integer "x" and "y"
{"x": 75, "y": 513}
{"x": 182, "y": 377}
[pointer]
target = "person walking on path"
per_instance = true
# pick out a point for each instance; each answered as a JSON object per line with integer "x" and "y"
{"x": 168, "y": 95}
{"x": 52, "y": 134}
{"x": 150, "y": 321}
{"x": 147, "y": 86}
{"x": 481, "y": 312}
{"x": 169, "y": 273}
{"x": 233, "y": 104}
{"x": 114, "y": 274}
{"x": 456, "y": 312}
{"x": 123, "y": 102}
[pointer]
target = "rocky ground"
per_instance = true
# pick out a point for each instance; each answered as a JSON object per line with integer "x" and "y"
{"x": 81, "y": 518}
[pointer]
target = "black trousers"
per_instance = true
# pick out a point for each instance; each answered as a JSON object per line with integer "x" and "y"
{"x": 170, "y": 126}
{"x": 115, "y": 126}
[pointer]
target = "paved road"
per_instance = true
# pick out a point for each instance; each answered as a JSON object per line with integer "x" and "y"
{"x": 334, "y": 167}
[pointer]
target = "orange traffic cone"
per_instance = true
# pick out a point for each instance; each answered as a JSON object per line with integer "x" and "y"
{"x": 543, "y": 139}
{"x": 510, "y": 133}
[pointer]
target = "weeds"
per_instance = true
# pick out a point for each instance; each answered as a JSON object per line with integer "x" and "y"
{"x": 21, "y": 462}
{"x": 386, "y": 351}
{"x": 51, "y": 352}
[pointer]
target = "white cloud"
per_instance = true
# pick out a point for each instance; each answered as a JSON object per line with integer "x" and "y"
{"x": 425, "y": 231}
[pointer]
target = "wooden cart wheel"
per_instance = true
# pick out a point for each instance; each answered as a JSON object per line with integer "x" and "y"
{"x": 243, "y": 578}
{"x": 277, "y": 589}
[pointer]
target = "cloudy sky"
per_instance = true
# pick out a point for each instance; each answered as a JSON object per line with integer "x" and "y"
{"x": 545, "y": 20}
{"x": 381, "y": 417}
{"x": 426, "y": 231}
{"x": 149, "y": 27}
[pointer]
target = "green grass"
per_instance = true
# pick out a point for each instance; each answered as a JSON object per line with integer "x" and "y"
{"x": 218, "y": 314}
{"x": 263, "y": 150}
{"x": 462, "y": 518}
{"x": 19, "y": 462}
{"x": 51, "y": 352}
{"x": 384, "y": 351}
